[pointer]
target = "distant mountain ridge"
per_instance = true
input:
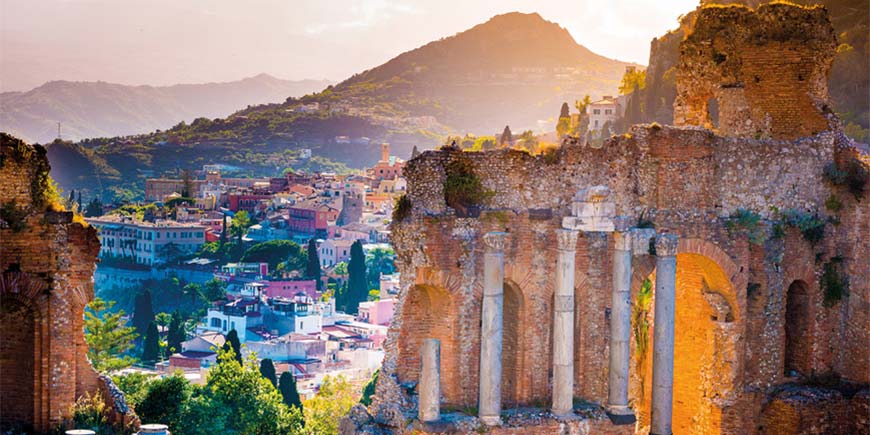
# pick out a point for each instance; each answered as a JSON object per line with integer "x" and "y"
{"x": 516, "y": 68}
{"x": 101, "y": 109}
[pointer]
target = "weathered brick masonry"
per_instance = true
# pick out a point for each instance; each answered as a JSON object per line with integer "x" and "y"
{"x": 750, "y": 309}
{"x": 47, "y": 264}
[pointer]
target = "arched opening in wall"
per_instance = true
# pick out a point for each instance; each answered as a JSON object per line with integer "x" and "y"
{"x": 512, "y": 375}
{"x": 428, "y": 312}
{"x": 17, "y": 355}
{"x": 713, "y": 112}
{"x": 705, "y": 342}
{"x": 798, "y": 344}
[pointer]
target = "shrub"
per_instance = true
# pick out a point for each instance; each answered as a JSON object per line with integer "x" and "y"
{"x": 810, "y": 225}
{"x": 462, "y": 186}
{"x": 163, "y": 401}
{"x": 89, "y": 412}
{"x": 833, "y": 204}
{"x": 402, "y": 208}
{"x": 833, "y": 281}
{"x": 851, "y": 174}
{"x": 750, "y": 223}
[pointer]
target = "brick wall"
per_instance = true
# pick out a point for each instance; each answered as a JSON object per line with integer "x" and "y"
{"x": 46, "y": 269}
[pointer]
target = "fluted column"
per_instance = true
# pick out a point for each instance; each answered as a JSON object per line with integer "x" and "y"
{"x": 620, "y": 326}
{"x": 563, "y": 324}
{"x": 430, "y": 381}
{"x": 489, "y": 406}
{"x": 663, "y": 341}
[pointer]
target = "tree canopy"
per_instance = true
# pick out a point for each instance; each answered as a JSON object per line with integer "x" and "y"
{"x": 108, "y": 336}
{"x": 277, "y": 251}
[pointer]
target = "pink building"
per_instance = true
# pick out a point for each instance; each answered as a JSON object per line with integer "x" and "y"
{"x": 289, "y": 289}
{"x": 377, "y": 312}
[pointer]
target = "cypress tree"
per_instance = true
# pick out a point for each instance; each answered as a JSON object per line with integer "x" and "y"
{"x": 151, "y": 348}
{"x": 312, "y": 269}
{"x": 507, "y": 137}
{"x": 287, "y": 386}
{"x": 357, "y": 289}
{"x": 565, "y": 111}
{"x": 176, "y": 333}
{"x": 224, "y": 231}
{"x": 267, "y": 369}
{"x": 234, "y": 344}
{"x": 414, "y": 152}
{"x": 143, "y": 312}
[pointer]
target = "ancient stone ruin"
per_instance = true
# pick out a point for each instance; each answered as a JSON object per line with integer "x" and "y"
{"x": 47, "y": 264}
{"x": 697, "y": 279}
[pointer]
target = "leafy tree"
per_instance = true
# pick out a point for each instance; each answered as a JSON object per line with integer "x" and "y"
{"x": 214, "y": 290}
{"x": 289, "y": 392}
{"x": 94, "y": 208}
{"x": 164, "y": 400}
{"x": 143, "y": 312}
{"x": 633, "y": 78}
{"x": 163, "y": 319}
{"x": 506, "y": 136}
{"x": 379, "y": 261}
{"x": 134, "y": 385}
{"x": 332, "y": 402}
{"x": 267, "y": 369}
{"x": 241, "y": 222}
{"x": 312, "y": 269}
{"x": 232, "y": 343}
{"x": 176, "y": 334}
{"x": 340, "y": 268}
{"x": 193, "y": 290}
{"x": 529, "y": 140}
{"x": 341, "y": 298}
{"x": 564, "y": 112}
{"x": 357, "y": 287}
{"x": 369, "y": 389}
{"x": 374, "y": 295}
{"x": 151, "y": 348}
{"x": 108, "y": 337}
{"x": 563, "y": 127}
{"x": 236, "y": 399}
{"x": 276, "y": 251}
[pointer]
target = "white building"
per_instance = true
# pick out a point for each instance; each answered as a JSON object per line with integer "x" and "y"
{"x": 334, "y": 251}
{"x": 607, "y": 109}
{"x": 148, "y": 243}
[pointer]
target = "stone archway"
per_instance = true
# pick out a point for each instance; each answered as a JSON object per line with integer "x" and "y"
{"x": 798, "y": 340}
{"x": 428, "y": 312}
{"x": 705, "y": 343}
{"x": 22, "y": 343}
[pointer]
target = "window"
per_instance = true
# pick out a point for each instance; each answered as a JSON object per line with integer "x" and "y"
{"x": 215, "y": 322}
{"x": 225, "y": 325}
{"x": 596, "y": 111}
{"x": 608, "y": 111}
{"x": 596, "y": 123}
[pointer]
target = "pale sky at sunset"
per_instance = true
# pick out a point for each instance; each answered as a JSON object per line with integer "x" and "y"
{"x": 162, "y": 42}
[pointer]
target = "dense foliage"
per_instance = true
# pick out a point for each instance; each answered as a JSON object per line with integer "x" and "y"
{"x": 108, "y": 337}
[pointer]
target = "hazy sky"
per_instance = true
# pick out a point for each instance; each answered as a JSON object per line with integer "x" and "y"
{"x": 190, "y": 41}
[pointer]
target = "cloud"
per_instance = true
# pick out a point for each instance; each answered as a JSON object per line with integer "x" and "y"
{"x": 362, "y": 15}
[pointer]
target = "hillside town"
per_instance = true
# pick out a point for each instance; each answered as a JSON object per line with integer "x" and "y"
{"x": 279, "y": 314}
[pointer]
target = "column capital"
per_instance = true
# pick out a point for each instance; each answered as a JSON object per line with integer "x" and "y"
{"x": 622, "y": 240}
{"x": 566, "y": 240}
{"x": 623, "y": 223}
{"x": 495, "y": 242}
{"x": 666, "y": 245}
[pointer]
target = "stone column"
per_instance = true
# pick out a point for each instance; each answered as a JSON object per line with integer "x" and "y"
{"x": 563, "y": 324}
{"x": 489, "y": 406}
{"x": 663, "y": 338}
{"x": 620, "y": 326}
{"x": 430, "y": 381}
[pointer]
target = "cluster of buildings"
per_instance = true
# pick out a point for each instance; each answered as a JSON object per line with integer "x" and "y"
{"x": 280, "y": 316}
{"x": 290, "y": 322}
